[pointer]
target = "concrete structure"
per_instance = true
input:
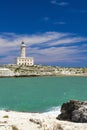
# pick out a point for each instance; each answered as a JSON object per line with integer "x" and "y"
{"x": 23, "y": 60}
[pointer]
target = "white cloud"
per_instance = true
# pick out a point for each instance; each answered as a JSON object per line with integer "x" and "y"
{"x": 62, "y": 3}
{"x": 61, "y": 23}
{"x": 68, "y": 40}
{"x": 53, "y": 54}
{"x": 43, "y": 47}
{"x": 55, "y": 2}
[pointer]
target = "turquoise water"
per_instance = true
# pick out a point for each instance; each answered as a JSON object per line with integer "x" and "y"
{"x": 41, "y": 93}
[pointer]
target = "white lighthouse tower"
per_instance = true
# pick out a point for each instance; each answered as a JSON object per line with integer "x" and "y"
{"x": 23, "y": 50}
{"x": 23, "y": 60}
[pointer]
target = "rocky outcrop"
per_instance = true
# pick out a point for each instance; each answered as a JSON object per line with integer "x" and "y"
{"x": 41, "y": 70}
{"x": 5, "y": 72}
{"x": 75, "y": 111}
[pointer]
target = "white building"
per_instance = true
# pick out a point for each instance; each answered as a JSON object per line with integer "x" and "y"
{"x": 23, "y": 60}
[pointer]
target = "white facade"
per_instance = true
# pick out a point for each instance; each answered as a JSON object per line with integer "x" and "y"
{"x": 23, "y": 51}
{"x": 23, "y": 60}
{"x": 29, "y": 61}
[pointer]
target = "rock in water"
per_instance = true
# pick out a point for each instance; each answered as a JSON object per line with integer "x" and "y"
{"x": 75, "y": 111}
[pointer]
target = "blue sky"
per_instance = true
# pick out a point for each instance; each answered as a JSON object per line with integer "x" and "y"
{"x": 54, "y": 31}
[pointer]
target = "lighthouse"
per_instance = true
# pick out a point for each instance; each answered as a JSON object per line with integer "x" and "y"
{"x": 23, "y": 60}
{"x": 23, "y": 50}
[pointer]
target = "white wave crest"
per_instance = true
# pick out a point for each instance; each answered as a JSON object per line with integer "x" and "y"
{"x": 53, "y": 111}
{"x": 4, "y": 108}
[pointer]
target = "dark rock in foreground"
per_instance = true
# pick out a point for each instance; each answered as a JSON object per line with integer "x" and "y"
{"x": 75, "y": 111}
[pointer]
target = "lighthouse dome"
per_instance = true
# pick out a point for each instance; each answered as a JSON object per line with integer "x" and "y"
{"x": 23, "y": 44}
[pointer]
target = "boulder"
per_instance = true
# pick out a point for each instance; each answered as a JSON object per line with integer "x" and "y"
{"x": 75, "y": 111}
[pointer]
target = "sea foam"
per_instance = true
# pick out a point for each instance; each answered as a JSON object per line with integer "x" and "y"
{"x": 53, "y": 111}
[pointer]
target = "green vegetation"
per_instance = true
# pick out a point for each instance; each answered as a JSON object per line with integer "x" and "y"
{"x": 6, "y": 116}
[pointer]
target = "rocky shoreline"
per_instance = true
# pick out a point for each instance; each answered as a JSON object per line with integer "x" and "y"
{"x": 34, "y": 121}
{"x": 12, "y": 120}
{"x": 40, "y": 70}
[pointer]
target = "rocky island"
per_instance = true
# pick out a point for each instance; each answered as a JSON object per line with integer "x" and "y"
{"x": 14, "y": 70}
{"x": 25, "y": 67}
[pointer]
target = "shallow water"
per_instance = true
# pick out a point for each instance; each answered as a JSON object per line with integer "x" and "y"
{"x": 41, "y": 93}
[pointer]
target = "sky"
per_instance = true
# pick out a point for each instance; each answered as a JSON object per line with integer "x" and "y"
{"x": 54, "y": 31}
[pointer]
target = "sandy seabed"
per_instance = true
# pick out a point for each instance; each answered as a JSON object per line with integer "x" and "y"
{"x": 11, "y": 120}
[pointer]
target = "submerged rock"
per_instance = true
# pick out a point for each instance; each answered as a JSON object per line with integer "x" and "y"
{"x": 75, "y": 111}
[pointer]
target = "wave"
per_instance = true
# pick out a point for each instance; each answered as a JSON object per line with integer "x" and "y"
{"x": 55, "y": 111}
{"x": 4, "y": 108}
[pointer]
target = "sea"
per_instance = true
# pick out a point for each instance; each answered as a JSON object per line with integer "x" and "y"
{"x": 41, "y": 94}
